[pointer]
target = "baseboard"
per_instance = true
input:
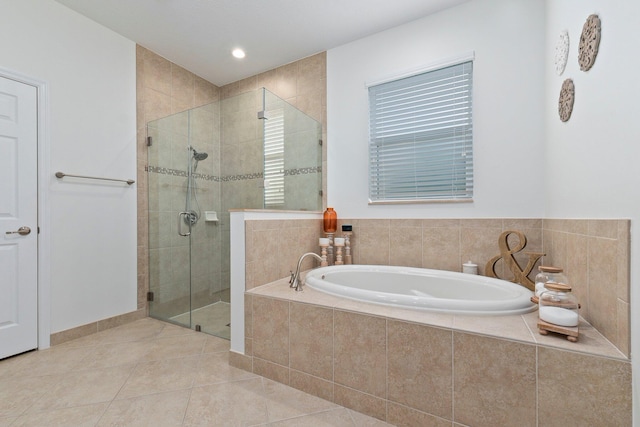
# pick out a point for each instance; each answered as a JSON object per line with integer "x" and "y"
{"x": 100, "y": 325}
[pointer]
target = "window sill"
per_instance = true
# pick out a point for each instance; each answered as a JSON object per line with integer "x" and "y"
{"x": 423, "y": 201}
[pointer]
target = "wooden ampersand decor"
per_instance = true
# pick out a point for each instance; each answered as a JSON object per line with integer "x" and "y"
{"x": 506, "y": 254}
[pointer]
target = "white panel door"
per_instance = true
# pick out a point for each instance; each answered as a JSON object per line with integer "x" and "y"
{"x": 18, "y": 218}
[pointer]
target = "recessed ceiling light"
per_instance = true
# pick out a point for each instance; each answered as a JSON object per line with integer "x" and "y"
{"x": 238, "y": 53}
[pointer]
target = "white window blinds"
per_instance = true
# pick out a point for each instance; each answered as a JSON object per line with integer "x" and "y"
{"x": 274, "y": 158}
{"x": 420, "y": 144}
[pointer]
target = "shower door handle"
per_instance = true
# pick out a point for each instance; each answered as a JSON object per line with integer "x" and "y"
{"x": 180, "y": 216}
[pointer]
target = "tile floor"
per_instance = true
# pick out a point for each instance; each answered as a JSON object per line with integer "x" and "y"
{"x": 213, "y": 319}
{"x": 151, "y": 373}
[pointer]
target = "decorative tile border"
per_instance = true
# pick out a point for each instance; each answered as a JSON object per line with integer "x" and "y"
{"x": 177, "y": 172}
{"x": 303, "y": 171}
{"x": 243, "y": 177}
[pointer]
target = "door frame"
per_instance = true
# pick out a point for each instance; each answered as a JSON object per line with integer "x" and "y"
{"x": 44, "y": 220}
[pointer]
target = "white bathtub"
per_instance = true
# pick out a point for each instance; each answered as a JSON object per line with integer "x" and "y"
{"x": 423, "y": 289}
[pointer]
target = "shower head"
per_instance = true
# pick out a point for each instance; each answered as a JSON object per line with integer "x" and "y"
{"x": 199, "y": 156}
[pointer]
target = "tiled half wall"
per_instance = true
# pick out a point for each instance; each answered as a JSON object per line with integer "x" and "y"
{"x": 412, "y": 374}
{"x": 593, "y": 253}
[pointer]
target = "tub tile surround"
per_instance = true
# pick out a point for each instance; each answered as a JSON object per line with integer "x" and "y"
{"x": 286, "y": 238}
{"x": 509, "y": 351}
{"x": 402, "y": 365}
{"x": 593, "y": 253}
{"x": 595, "y": 257}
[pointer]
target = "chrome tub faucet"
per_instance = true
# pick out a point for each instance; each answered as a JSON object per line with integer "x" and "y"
{"x": 295, "y": 281}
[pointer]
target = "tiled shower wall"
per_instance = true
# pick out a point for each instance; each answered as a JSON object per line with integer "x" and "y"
{"x": 164, "y": 88}
{"x": 302, "y": 84}
{"x": 594, "y": 254}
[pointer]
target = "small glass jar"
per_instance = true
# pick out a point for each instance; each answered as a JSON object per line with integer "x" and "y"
{"x": 548, "y": 274}
{"x": 558, "y": 305}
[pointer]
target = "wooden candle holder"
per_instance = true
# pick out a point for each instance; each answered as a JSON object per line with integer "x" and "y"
{"x": 571, "y": 332}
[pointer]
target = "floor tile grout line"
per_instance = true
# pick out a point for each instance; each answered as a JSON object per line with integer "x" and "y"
{"x": 106, "y": 409}
{"x": 186, "y": 408}
{"x": 41, "y": 394}
{"x": 133, "y": 369}
{"x": 64, "y": 408}
{"x": 33, "y": 402}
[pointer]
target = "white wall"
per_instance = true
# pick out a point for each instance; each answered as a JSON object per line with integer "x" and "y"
{"x": 527, "y": 162}
{"x": 90, "y": 75}
{"x": 507, "y": 38}
{"x": 592, "y": 160}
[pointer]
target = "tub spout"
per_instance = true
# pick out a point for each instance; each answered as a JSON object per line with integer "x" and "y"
{"x": 295, "y": 281}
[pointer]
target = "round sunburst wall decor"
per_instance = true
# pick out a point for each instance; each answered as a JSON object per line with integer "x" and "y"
{"x": 589, "y": 42}
{"x": 562, "y": 52}
{"x": 565, "y": 101}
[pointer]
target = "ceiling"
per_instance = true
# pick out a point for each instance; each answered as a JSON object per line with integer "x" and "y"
{"x": 200, "y": 34}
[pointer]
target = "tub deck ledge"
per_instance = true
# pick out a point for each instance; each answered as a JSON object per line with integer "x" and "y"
{"x": 521, "y": 328}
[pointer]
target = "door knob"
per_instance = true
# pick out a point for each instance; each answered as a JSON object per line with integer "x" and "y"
{"x": 23, "y": 231}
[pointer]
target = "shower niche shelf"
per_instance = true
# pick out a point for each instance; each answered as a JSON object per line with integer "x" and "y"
{"x": 210, "y": 216}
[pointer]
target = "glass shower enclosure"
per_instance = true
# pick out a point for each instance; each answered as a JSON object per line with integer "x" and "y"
{"x": 251, "y": 151}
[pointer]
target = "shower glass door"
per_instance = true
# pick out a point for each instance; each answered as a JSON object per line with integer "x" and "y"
{"x": 184, "y": 237}
{"x": 249, "y": 151}
{"x": 169, "y": 252}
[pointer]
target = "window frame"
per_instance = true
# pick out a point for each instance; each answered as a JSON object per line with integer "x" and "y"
{"x": 428, "y": 140}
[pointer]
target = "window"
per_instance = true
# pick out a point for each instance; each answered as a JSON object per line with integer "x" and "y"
{"x": 420, "y": 146}
{"x": 274, "y": 159}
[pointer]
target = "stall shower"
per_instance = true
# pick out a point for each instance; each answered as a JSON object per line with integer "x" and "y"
{"x": 250, "y": 151}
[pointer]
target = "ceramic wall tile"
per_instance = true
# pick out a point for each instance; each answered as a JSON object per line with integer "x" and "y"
{"x": 420, "y": 367}
{"x": 623, "y": 264}
{"x": 372, "y": 245}
{"x": 603, "y": 228}
{"x": 156, "y": 72}
{"x": 488, "y": 370}
{"x": 602, "y": 273}
{"x": 576, "y": 269}
{"x": 402, "y": 416}
{"x": 577, "y": 389}
{"x": 441, "y": 248}
{"x": 360, "y": 358}
{"x": 361, "y": 402}
{"x": 311, "y": 328}
{"x": 405, "y": 246}
{"x": 271, "y": 330}
{"x": 312, "y": 385}
{"x": 479, "y": 243}
{"x": 271, "y": 370}
{"x": 623, "y": 340}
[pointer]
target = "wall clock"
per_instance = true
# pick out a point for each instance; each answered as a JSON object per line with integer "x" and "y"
{"x": 589, "y": 42}
{"x": 565, "y": 102}
{"x": 562, "y": 52}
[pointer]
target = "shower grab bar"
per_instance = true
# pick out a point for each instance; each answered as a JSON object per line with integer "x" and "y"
{"x": 62, "y": 175}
